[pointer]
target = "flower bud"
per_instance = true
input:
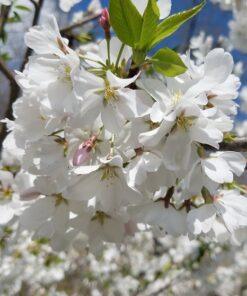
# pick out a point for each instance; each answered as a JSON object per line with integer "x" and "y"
{"x": 29, "y": 194}
{"x": 82, "y": 154}
{"x": 105, "y": 22}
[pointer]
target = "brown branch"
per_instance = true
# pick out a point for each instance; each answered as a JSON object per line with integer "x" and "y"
{"x": 86, "y": 20}
{"x": 238, "y": 145}
{"x": 37, "y": 10}
{"x": 14, "y": 92}
{"x": 4, "y": 15}
{"x": 35, "y": 4}
{"x": 7, "y": 72}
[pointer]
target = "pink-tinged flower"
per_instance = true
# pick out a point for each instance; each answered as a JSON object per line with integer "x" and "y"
{"x": 29, "y": 194}
{"x": 82, "y": 154}
{"x": 105, "y": 22}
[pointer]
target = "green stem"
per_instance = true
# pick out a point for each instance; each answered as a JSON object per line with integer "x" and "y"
{"x": 85, "y": 58}
{"x": 240, "y": 188}
{"x": 119, "y": 55}
{"x": 108, "y": 41}
{"x": 139, "y": 57}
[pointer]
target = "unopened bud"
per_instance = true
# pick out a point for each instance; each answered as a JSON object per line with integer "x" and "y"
{"x": 105, "y": 22}
{"x": 82, "y": 154}
{"x": 29, "y": 194}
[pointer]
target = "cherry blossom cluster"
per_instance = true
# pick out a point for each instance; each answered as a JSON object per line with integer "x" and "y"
{"x": 5, "y": 2}
{"x": 109, "y": 149}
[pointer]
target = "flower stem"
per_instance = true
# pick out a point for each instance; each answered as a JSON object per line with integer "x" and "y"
{"x": 119, "y": 55}
{"x": 108, "y": 41}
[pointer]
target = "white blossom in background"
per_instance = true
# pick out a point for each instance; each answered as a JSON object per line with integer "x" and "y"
{"x": 241, "y": 128}
{"x": 172, "y": 264}
{"x": 66, "y": 5}
{"x": 238, "y": 25}
{"x": 107, "y": 155}
{"x": 200, "y": 46}
{"x": 243, "y": 98}
{"x": 224, "y": 4}
{"x": 164, "y": 7}
{"x": 5, "y": 2}
{"x": 100, "y": 163}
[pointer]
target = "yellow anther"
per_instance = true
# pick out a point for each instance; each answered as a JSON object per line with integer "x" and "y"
{"x": 108, "y": 173}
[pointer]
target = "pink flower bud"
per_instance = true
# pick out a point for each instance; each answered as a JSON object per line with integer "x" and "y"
{"x": 82, "y": 154}
{"x": 29, "y": 194}
{"x": 105, "y": 22}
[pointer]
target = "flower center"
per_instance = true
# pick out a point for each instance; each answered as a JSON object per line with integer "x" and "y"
{"x": 110, "y": 93}
{"x": 184, "y": 122}
{"x": 6, "y": 193}
{"x": 109, "y": 172}
{"x": 59, "y": 199}
{"x": 100, "y": 217}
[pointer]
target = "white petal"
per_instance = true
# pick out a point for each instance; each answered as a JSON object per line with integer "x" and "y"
{"x": 201, "y": 220}
{"x": 156, "y": 89}
{"x": 84, "y": 170}
{"x": 217, "y": 170}
{"x": 37, "y": 213}
{"x": 134, "y": 103}
{"x": 177, "y": 151}
{"x": 114, "y": 51}
{"x": 218, "y": 66}
{"x": 153, "y": 137}
{"x": 6, "y": 213}
{"x": 117, "y": 82}
{"x": 140, "y": 5}
{"x": 156, "y": 114}
{"x": 204, "y": 131}
{"x": 164, "y": 7}
{"x": 66, "y": 5}
{"x": 112, "y": 119}
{"x": 235, "y": 160}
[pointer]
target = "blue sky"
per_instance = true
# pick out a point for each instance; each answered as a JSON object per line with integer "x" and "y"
{"x": 211, "y": 19}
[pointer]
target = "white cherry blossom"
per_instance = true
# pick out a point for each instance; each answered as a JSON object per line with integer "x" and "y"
{"x": 228, "y": 209}
{"x": 163, "y": 5}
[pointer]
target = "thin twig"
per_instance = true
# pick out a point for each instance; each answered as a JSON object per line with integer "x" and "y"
{"x": 35, "y": 4}
{"x": 4, "y": 15}
{"x": 81, "y": 23}
{"x": 14, "y": 92}
{"x": 7, "y": 72}
{"x": 239, "y": 145}
{"x": 37, "y": 11}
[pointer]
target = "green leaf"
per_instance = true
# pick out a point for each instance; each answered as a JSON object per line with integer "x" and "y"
{"x": 22, "y": 7}
{"x": 168, "y": 62}
{"x": 174, "y": 22}
{"x": 126, "y": 21}
{"x": 14, "y": 19}
{"x": 150, "y": 22}
{"x": 83, "y": 38}
{"x": 4, "y": 36}
{"x": 5, "y": 56}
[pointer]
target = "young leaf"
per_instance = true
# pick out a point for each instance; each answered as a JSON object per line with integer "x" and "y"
{"x": 174, "y": 22}
{"x": 126, "y": 21}
{"x": 5, "y": 56}
{"x": 168, "y": 62}
{"x": 150, "y": 23}
{"x": 22, "y": 7}
{"x": 4, "y": 36}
